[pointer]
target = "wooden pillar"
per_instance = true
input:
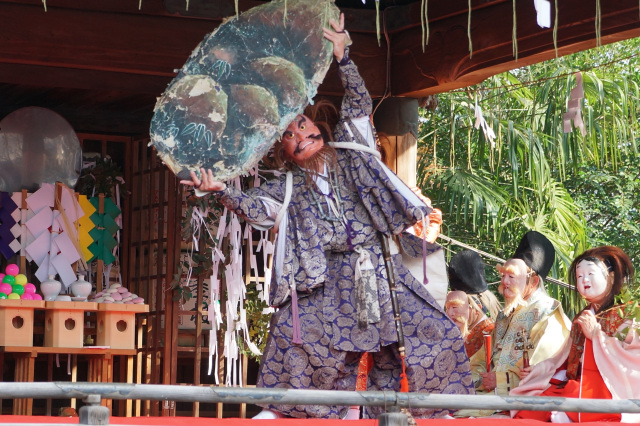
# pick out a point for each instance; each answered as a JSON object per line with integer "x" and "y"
{"x": 396, "y": 121}
{"x": 402, "y": 156}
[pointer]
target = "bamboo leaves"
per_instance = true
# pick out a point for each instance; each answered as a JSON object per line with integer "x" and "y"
{"x": 535, "y": 176}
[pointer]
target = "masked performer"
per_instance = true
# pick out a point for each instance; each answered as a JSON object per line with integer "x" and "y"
{"x": 531, "y": 328}
{"x": 331, "y": 285}
{"x": 466, "y": 273}
{"x": 470, "y": 319}
{"x": 601, "y": 359}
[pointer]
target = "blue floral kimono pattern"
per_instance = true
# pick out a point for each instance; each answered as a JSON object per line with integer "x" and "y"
{"x": 320, "y": 258}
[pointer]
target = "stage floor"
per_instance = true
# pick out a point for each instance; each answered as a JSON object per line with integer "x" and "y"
{"x": 208, "y": 421}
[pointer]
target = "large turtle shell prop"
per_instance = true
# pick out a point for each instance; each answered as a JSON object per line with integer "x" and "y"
{"x": 242, "y": 86}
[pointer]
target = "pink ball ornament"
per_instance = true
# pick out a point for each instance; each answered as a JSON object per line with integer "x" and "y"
{"x": 29, "y": 288}
{"x": 26, "y": 296}
{"x": 12, "y": 269}
{"x": 6, "y": 289}
{"x": 1, "y": 276}
{"x": 36, "y": 296}
{"x": 9, "y": 279}
{"x": 21, "y": 279}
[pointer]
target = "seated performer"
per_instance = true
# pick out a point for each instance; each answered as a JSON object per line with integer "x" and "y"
{"x": 531, "y": 327}
{"x": 466, "y": 273}
{"x": 332, "y": 210}
{"x": 470, "y": 319}
{"x": 601, "y": 359}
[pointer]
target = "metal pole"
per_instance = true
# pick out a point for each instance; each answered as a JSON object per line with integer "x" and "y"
{"x": 393, "y": 291}
{"x": 212, "y": 394}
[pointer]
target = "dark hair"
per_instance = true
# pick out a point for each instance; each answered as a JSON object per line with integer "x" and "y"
{"x": 325, "y": 115}
{"x": 611, "y": 259}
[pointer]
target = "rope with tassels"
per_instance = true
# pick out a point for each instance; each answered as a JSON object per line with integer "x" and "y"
{"x": 498, "y": 259}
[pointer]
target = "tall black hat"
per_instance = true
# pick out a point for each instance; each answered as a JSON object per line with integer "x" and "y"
{"x": 537, "y": 252}
{"x": 466, "y": 272}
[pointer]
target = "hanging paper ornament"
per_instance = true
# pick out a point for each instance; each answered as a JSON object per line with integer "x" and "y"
{"x": 7, "y": 222}
{"x": 54, "y": 247}
{"x": 489, "y": 134}
{"x": 231, "y": 233}
{"x": 543, "y": 13}
{"x": 574, "y": 108}
{"x": 104, "y": 231}
{"x": 85, "y": 226}
{"x": 21, "y": 215}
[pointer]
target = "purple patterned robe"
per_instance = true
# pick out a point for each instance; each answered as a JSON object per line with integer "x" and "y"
{"x": 320, "y": 258}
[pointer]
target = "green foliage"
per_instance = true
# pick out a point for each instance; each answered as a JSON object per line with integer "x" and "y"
{"x": 102, "y": 178}
{"x": 628, "y": 308}
{"x": 200, "y": 261}
{"x": 258, "y": 318}
{"x": 580, "y": 191}
{"x": 610, "y": 203}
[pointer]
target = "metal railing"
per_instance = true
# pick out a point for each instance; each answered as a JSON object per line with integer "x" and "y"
{"x": 92, "y": 393}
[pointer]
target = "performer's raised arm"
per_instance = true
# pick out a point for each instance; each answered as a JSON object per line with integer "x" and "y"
{"x": 356, "y": 102}
{"x": 259, "y": 211}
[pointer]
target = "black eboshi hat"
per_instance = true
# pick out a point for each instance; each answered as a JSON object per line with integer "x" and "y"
{"x": 537, "y": 252}
{"x": 466, "y": 272}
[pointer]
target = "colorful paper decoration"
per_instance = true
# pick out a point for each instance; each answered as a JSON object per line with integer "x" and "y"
{"x": 41, "y": 233}
{"x": 104, "y": 231}
{"x": 24, "y": 237}
{"x": 85, "y": 225}
{"x": 54, "y": 248}
{"x": 7, "y": 223}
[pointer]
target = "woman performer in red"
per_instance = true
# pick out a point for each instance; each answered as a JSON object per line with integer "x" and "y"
{"x": 601, "y": 359}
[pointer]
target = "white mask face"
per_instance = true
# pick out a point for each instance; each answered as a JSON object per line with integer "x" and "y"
{"x": 591, "y": 281}
{"x": 514, "y": 278}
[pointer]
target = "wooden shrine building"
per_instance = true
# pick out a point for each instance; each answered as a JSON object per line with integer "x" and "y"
{"x": 102, "y": 64}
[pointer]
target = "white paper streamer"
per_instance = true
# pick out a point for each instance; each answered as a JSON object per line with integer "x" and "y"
{"x": 489, "y": 134}
{"x": 543, "y": 13}
{"x": 574, "y": 108}
{"x": 235, "y": 236}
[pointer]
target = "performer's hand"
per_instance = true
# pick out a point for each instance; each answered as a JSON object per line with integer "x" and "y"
{"x": 489, "y": 380}
{"x": 587, "y": 321}
{"x": 339, "y": 37}
{"x": 206, "y": 183}
{"x": 420, "y": 195}
{"x": 524, "y": 372}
